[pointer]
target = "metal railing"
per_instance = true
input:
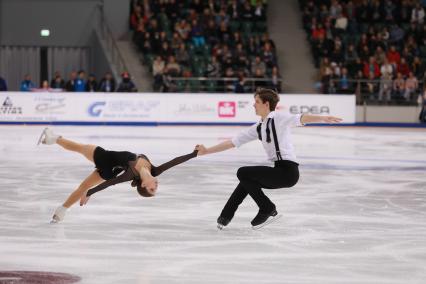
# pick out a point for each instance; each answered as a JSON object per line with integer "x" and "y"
{"x": 373, "y": 92}
{"x": 215, "y": 84}
{"x": 104, "y": 31}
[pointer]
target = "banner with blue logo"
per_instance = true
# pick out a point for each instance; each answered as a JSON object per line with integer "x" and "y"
{"x": 154, "y": 108}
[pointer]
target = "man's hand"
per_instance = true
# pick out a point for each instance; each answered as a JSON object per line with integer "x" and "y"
{"x": 332, "y": 119}
{"x": 202, "y": 150}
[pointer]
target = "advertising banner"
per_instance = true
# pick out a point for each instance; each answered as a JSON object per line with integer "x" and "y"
{"x": 161, "y": 108}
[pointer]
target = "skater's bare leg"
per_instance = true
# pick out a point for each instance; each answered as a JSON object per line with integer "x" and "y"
{"x": 86, "y": 150}
{"x": 92, "y": 180}
{"x": 48, "y": 137}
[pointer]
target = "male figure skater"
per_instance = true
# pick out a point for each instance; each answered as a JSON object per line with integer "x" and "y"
{"x": 273, "y": 130}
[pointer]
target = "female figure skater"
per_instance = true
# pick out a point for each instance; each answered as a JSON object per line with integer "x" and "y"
{"x": 111, "y": 168}
{"x": 278, "y": 148}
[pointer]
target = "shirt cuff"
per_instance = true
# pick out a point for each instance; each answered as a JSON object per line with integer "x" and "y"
{"x": 299, "y": 119}
{"x": 235, "y": 142}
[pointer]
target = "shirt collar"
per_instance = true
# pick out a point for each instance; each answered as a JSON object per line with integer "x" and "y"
{"x": 270, "y": 115}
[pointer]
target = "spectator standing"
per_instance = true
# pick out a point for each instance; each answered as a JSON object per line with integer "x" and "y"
{"x": 45, "y": 87}
{"x": 213, "y": 68}
{"x": 371, "y": 67}
{"x": 182, "y": 55}
{"x": 172, "y": 68}
{"x": 57, "y": 82}
{"x": 422, "y": 116}
{"x": 344, "y": 87}
{"x": 275, "y": 83}
{"x": 258, "y": 64}
{"x": 70, "y": 85}
{"x": 107, "y": 84}
{"x": 418, "y": 14}
{"x": 3, "y": 85}
{"x": 386, "y": 71}
{"x": 80, "y": 82}
{"x": 393, "y": 56}
{"x": 92, "y": 85}
{"x": 27, "y": 84}
{"x": 403, "y": 68}
{"x": 398, "y": 86}
{"x": 158, "y": 71}
{"x": 197, "y": 34}
{"x": 411, "y": 85}
{"x": 240, "y": 84}
{"x": 126, "y": 85}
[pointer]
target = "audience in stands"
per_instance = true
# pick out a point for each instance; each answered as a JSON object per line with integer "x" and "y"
{"x": 215, "y": 39}
{"x": 76, "y": 83}
{"x": 387, "y": 38}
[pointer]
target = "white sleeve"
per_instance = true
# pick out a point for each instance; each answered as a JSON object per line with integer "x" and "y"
{"x": 289, "y": 120}
{"x": 245, "y": 136}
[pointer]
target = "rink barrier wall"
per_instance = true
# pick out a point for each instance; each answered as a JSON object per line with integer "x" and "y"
{"x": 158, "y": 108}
{"x": 79, "y": 123}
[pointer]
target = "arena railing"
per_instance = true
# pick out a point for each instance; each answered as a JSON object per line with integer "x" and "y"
{"x": 217, "y": 84}
{"x": 367, "y": 92}
{"x": 106, "y": 35}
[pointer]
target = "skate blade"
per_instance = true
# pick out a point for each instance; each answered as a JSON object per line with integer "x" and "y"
{"x": 220, "y": 227}
{"x": 54, "y": 220}
{"x": 41, "y": 137}
{"x": 269, "y": 221}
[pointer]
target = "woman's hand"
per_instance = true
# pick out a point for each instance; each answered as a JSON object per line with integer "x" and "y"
{"x": 84, "y": 199}
{"x": 202, "y": 150}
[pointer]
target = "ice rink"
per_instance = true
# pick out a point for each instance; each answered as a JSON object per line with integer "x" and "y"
{"x": 357, "y": 215}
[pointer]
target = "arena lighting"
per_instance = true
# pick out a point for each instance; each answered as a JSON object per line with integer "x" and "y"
{"x": 45, "y": 32}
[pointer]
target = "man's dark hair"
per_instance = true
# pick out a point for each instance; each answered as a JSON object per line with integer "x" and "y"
{"x": 268, "y": 95}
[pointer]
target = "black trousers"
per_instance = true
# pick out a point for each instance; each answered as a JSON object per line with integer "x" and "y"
{"x": 253, "y": 179}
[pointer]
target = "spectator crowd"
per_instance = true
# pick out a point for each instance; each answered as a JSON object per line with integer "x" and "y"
{"x": 226, "y": 42}
{"x": 77, "y": 82}
{"x": 372, "y": 47}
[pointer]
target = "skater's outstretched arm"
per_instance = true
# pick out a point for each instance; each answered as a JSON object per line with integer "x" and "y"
{"x": 225, "y": 145}
{"x": 156, "y": 171}
{"x": 128, "y": 175}
{"x": 308, "y": 118}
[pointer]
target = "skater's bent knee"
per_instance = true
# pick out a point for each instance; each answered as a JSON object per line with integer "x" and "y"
{"x": 243, "y": 173}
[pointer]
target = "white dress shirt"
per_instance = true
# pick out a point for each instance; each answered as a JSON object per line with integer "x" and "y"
{"x": 283, "y": 123}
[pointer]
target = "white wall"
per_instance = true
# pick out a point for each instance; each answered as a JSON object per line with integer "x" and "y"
{"x": 70, "y": 21}
{"x": 398, "y": 114}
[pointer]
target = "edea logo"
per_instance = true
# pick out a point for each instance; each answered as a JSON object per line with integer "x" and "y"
{"x": 8, "y": 108}
{"x": 227, "y": 109}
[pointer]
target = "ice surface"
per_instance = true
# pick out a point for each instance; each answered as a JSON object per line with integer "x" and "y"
{"x": 357, "y": 215}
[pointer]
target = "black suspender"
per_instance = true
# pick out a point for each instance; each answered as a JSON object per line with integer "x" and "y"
{"x": 268, "y": 132}
{"x": 268, "y": 136}
{"x": 277, "y": 147}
